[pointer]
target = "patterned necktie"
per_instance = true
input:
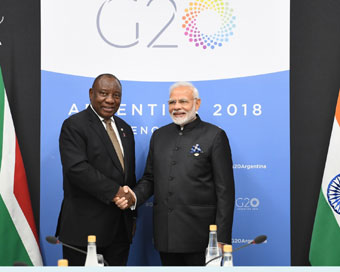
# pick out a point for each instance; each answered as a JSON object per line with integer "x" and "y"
{"x": 114, "y": 141}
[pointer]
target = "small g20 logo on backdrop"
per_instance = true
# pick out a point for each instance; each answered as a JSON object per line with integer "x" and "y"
{"x": 206, "y": 24}
{"x": 246, "y": 203}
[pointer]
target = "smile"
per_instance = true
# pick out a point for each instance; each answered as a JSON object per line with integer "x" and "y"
{"x": 179, "y": 114}
{"x": 108, "y": 108}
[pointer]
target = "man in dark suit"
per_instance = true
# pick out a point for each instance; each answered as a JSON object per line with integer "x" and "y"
{"x": 98, "y": 158}
{"x": 189, "y": 171}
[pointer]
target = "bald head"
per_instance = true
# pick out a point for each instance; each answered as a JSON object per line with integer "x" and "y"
{"x": 98, "y": 78}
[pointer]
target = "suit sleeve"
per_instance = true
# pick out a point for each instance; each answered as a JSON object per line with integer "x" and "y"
{"x": 76, "y": 167}
{"x": 224, "y": 184}
{"x": 134, "y": 212}
{"x": 145, "y": 186}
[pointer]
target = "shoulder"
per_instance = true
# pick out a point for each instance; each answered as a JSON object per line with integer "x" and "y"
{"x": 165, "y": 130}
{"x": 211, "y": 128}
{"x": 77, "y": 117}
{"x": 74, "y": 126}
{"x": 216, "y": 134}
{"x": 167, "y": 127}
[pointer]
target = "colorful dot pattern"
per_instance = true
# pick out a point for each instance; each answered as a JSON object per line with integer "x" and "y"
{"x": 200, "y": 39}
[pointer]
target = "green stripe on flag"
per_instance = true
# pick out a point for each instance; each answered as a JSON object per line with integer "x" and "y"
{"x": 325, "y": 244}
{"x": 2, "y": 109}
{"x": 11, "y": 248}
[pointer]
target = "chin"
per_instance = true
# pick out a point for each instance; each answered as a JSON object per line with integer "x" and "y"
{"x": 179, "y": 121}
{"x": 106, "y": 115}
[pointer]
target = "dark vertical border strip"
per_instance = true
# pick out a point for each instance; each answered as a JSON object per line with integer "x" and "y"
{"x": 315, "y": 82}
{"x": 20, "y": 62}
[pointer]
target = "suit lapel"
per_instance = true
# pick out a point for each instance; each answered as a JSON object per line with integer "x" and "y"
{"x": 125, "y": 143}
{"x": 98, "y": 127}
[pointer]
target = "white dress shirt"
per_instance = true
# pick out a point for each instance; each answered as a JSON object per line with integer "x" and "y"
{"x": 113, "y": 126}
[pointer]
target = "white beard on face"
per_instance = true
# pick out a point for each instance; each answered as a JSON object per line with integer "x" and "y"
{"x": 181, "y": 121}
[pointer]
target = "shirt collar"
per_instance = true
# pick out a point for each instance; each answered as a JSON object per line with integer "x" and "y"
{"x": 101, "y": 118}
{"x": 191, "y": 125}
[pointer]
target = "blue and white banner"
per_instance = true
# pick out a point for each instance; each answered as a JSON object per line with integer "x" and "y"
{"x": 235, "y": 52}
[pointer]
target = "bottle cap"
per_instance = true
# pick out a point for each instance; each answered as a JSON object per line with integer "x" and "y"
{"x": 91, "y": 238}
{"x": 62, "y": 262}
{"x": 227, "y": 248}
{"x": 213, "y": 228}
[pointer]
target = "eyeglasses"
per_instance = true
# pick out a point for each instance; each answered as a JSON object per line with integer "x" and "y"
{"x": 105, "y": 94}
{"x": 182, "y": 102}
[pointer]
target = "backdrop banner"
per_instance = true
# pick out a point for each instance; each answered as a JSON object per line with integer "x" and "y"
{"x": 237, "y": 55}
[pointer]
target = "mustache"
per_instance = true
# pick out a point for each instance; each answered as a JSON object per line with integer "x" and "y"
{"x": 178, "y": 111}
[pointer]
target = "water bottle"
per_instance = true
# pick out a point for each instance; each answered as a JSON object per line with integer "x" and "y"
{"x": 227, "y": 259}
{"x": 62, "y": 262}
{"x": 91, "y": 257}
{"x": 213, "y": 251}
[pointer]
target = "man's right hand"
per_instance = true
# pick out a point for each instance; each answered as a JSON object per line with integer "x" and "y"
{"x": 124, "y": 198}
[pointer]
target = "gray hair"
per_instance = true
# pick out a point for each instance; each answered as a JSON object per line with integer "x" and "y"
{"x": 185, "y": 84}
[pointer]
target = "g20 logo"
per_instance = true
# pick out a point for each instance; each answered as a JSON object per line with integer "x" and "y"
{"x": 247, "y": 203}
{"x": 205, "y": 23}
{"x": 200, "y": 14}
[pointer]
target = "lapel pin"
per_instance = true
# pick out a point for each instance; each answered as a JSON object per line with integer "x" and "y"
{"x": 196, "y": 150}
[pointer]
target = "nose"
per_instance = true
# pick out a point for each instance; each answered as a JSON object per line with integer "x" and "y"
{"x": 109, "y": 99}
{"x": 177, "y": 105}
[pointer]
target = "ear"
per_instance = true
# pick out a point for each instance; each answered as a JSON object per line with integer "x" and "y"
{"x": 90, "y": 94}
{"x": 197, "y": 104}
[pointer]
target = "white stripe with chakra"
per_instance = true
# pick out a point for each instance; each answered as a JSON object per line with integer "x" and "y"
{"x": 332, "y": 167}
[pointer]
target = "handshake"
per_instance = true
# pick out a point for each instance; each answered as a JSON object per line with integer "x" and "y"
{"x": 124, "y": 198}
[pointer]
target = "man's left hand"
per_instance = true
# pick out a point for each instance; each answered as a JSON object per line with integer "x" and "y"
{"x": 125, "y": 198}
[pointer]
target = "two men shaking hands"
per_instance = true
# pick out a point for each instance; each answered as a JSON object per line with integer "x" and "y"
{"x": 125, "y": 198}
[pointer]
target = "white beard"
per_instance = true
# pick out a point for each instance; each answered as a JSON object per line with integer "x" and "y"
{"x": 188, "y": 117}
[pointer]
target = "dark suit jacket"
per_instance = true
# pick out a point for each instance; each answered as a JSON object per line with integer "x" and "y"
{"x": 192, "y": 189}
{"x": 92, "y": 175}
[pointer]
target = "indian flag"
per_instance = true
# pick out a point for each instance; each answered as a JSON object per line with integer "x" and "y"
{"x": 18, "y": 234}
{"x": 325, "y": 245}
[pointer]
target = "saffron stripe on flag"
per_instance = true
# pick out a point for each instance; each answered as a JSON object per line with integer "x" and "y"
{"x": 337, "y": 110}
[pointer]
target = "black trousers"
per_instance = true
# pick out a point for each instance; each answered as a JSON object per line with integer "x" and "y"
{"x": 183, "y": 259}
{"x": 116, "y": 254}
